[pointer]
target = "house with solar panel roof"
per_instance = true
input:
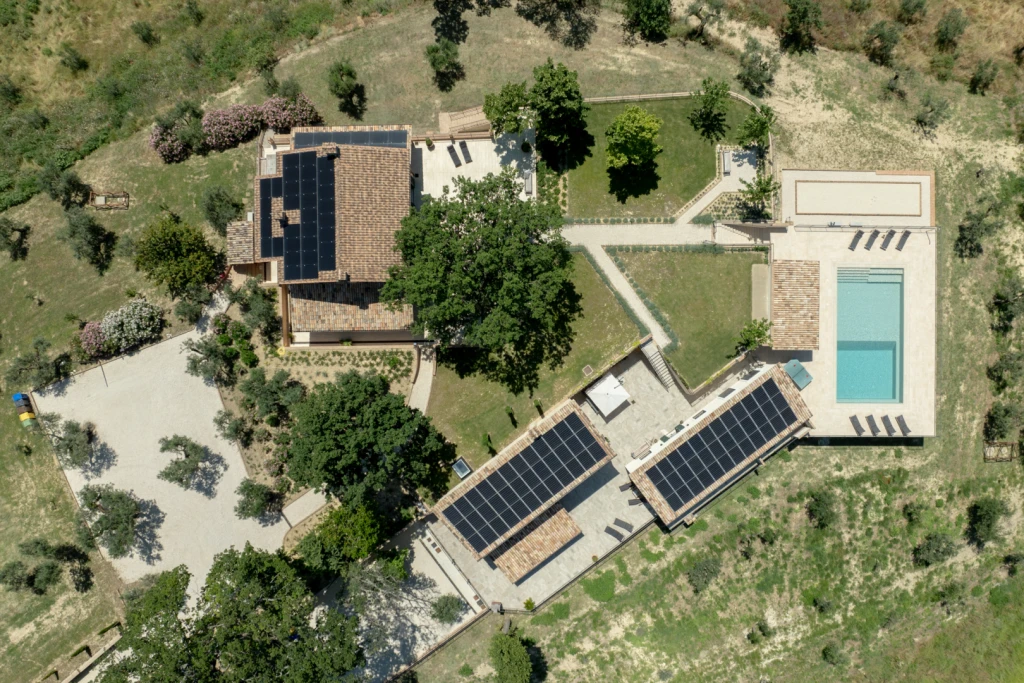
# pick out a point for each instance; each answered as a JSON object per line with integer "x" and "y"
{"x": 328, "y": 201}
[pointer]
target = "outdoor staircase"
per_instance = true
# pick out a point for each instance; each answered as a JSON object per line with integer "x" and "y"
{"x": 654, "y": 357}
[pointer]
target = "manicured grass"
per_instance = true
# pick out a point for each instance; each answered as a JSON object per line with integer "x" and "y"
{"x": 465, "y": 409}
{"x": 685, "y": 165}
{"x": 706, "y": 299}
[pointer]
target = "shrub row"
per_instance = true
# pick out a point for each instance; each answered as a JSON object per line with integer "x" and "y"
{"x": 617, "y": 221}
{"x": 223, "y": 129}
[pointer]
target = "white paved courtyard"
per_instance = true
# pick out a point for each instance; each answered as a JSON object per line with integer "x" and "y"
{"x": 134, "y": 401}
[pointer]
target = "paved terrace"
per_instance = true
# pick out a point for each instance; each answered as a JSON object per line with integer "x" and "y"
{"x": 434, "y": 169}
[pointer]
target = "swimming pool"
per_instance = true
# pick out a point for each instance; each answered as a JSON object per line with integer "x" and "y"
{"x": 869, "y": 335}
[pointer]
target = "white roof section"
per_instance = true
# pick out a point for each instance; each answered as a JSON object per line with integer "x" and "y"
{"x": 607, "y": 394}
{"x": 858, "y": 198}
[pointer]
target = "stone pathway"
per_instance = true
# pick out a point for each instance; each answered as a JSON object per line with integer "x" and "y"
{"x": 420, "y": 394}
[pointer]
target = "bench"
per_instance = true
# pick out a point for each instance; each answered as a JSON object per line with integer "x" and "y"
{"x": 726, "y": 163}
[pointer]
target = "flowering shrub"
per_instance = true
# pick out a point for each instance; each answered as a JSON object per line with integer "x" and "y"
{"x": 227, "y": 128}
{"x": 92, "y": 339}
{"x": 282, "y": 114}
{"x": 168, "y": 145}
{"x": 135, "y": 323}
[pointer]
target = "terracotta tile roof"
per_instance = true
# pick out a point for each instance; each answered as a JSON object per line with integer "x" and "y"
{"x": 535, "y": 430}
{"x": 534, "y": 543}
{"x": 372, "y": 196}
{"x": 343, "y": 306}
{"x": 650, "y": 491}
{"x": 240, "y": 243}
{"x": 795, "y": 305}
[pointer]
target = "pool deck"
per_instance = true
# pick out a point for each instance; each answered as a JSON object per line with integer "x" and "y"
{"x": 829, "y": 246}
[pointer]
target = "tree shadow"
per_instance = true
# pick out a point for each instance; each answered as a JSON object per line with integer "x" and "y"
{"x": 445, "y": 80}
{"x": 103, "y": 458}
{"x": 355, "y": 105}
{"x": 18, "y": 248}
{"x": 150, "y": 518}
{"x": 539, "y": 674}
{"x": 633, "y": 181}
{"x": 104, "y": 254}
{"x": 449, "y": 22}
{"x": 570, "y": 22}
{"x": 209, "y": 474}
{"x": 573, "y": 153}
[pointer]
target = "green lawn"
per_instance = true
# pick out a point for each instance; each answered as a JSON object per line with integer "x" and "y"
{"x": 706, "y": 299}
{"x": 465, "y": 409}
{"x": 685, "y": 165}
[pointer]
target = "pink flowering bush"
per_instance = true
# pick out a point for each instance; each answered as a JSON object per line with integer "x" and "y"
{"x": 92, "y": 339}
{"x": 168, "y": 145}
{"x": 227, "y": 128}
{"x": 281, "y": 114}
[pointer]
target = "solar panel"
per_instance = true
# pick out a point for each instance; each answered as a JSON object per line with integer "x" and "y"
{"x": 265, "y": 218}
{"x": 722, "y": 445}
{"x": 526, "y": 482}
{"x": 325, "y": 213}
{"x": 292, "y": 253}
{"x": 363, "y": 138}
{"x": 290, "y": 173}
{"x": 277, "y": 246}
{"x": 276, "y": 187}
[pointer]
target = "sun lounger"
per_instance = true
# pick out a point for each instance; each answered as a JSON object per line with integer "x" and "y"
{"x": 903, "y": 240}
{"x": 635, "y": 501}
{"x": 613, "y": 533}
{"x": 623, "y": 525}
{"x": 871, "y": 240}
{"x": 887, "y": 423}
{"x": 465, "y": 151}
{"x": 855, "y": 421}
{"x": 903, "y": 425}
{"x": 888, "y": 238}
{"x": 873, "y": 426}
{"x": 625, "y": 487}
{"x": 454, "y": 155}
{"x": 856, "y": 240}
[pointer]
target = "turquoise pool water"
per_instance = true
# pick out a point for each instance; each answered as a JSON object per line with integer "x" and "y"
{"x": 869, "y": 332}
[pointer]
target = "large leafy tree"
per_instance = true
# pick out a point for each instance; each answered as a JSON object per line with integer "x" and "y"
{"x": 112, "y": 515}
{"x": 802, "y": 19}
{"x": 708, "y": 119}
{"x": 178, "y": 255}
{"x": 508, "y": 110}
{"x": 37, "y": 368}
{"x": 443, "y": 57}
{"x": 348, "y": 533}
{"x": 89, "y": 241}
{"x": 490, "y": 272}
{"x": 354, "y": 438}
{"x": 648, "y": 19}
{"x": 256, "y": 621}
{"x": 758, "y": 66}
{"x": 633, "y": 138}
{"x": 708, "y": 13}
{"x": 270, "y": 398}
{"x": 558, "y": 102}
{"x": 155, "y": 644}
{"x": 757, "y": 129}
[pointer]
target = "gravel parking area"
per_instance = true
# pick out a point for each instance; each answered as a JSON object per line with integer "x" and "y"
{"x": 134, "y": 401}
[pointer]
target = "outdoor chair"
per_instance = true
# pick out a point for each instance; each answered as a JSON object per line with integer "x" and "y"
{"x": 873, "y": 426}
{"x": 887, "y": 423}
{"x": 635, "y": 501}
{"x": 856, "y": 240}
{"x": 855, "y": 421}
{"x": 454, "y": 155}
{"x": 903, "y": 425}
{"x": 871, "y": 240}
{"x": 888, "y": 238}
{"x": 623, "y": 525}
{"x": 465, "y": 151}
{"x": 613, "y": 533}
{"x": 903, "y": 240}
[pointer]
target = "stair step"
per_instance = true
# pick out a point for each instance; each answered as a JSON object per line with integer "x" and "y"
{"x": 653, "y": 354}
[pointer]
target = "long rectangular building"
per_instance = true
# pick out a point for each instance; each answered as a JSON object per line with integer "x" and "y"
{"x": 720, "y": 444}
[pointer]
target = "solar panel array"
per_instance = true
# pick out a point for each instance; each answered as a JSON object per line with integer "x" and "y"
{"x": 525, "y": 483}
{"x": 307, "y": 185}
{"x": 363, "y": 138}
{"x": 723, "y": 444}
